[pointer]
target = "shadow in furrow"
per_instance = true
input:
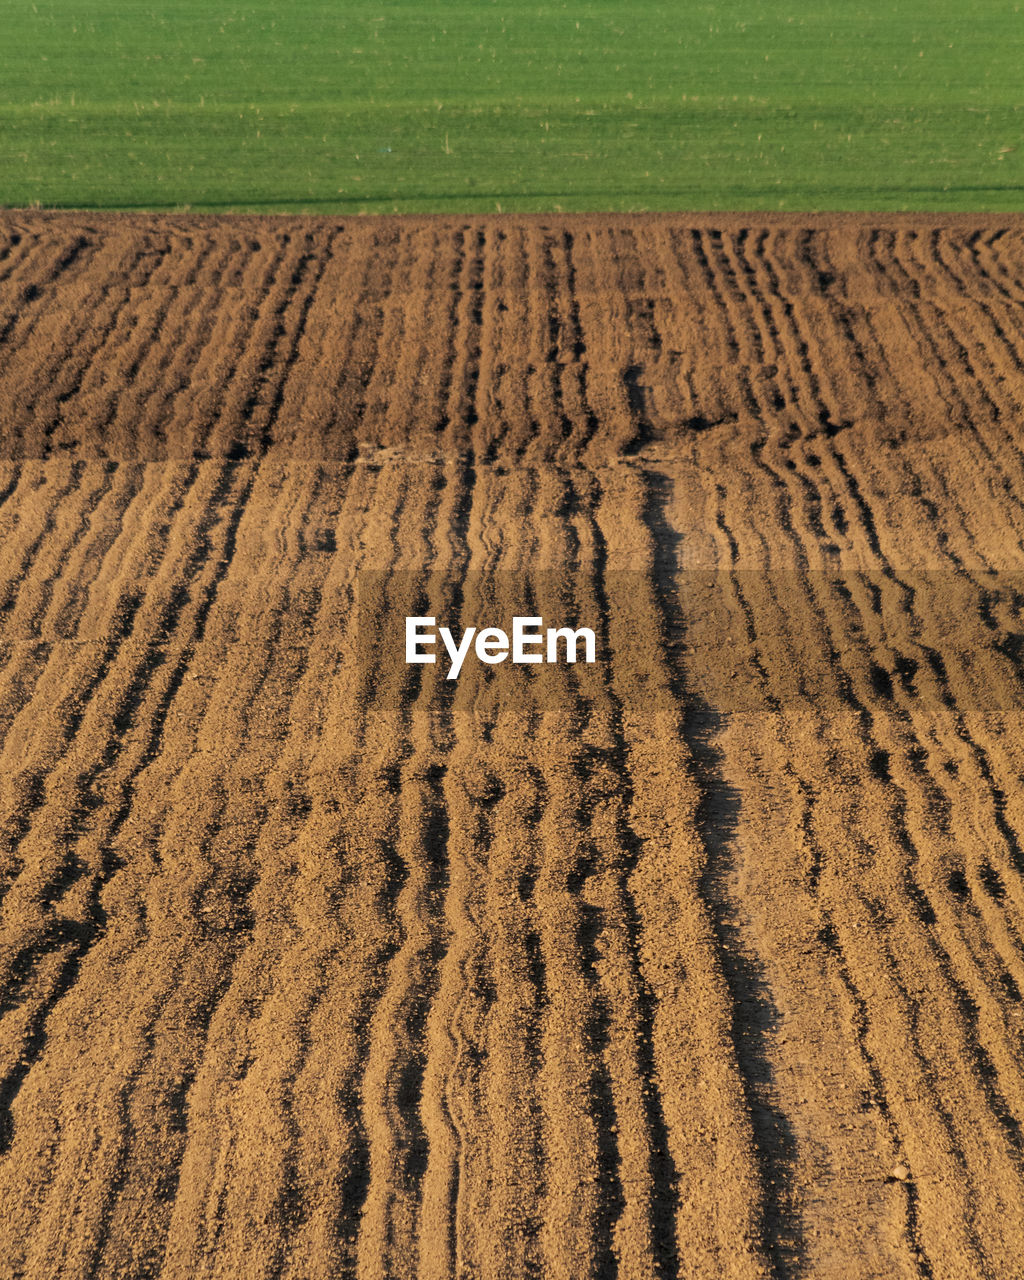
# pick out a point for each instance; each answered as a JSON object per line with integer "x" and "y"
{"x": 662, "y": 1169}
{"x": 755, "y": 1016}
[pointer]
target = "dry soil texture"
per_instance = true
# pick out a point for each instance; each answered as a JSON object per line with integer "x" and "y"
{"x": 703, "y": 962}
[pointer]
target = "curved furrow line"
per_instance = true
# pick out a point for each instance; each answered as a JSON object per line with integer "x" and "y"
{"x": 773, "y": 394}
{"x": 247, "y": 1006}
{"x": 850, "y": 310}
{"x": 12, "y": 473}
{"x": 392, "y": 1083}
{"x": 331, "y": 1166}
{"x": 988, "y": 1044}
{"x": 900, "y": 293}
{"x": 64, "y": 254}
{"x": 249, "y": 396}
{"x": 981, "y": 945}
{"x": 561, "y": 426}
{"x": 269, "y": 396}
{"x": 177, "y": 332}
{"x": 992, "y": 852}
{"x": 452, "y": 270}
{"x": 520, "y": 267}
{"x": 510, "y": 1202}
{"x": 188, "y": 993}
{"x": 795, "y": 388}
{"x": 300, "y": 392}
{"x": 600, "y": 347}
{"x": 974, "y": 357}
{"x": 67, "y": 614}
{"x": 209, "y": 381}
{"x": 352, "y": 387}
{"x": 808, "y": 331}
{"x": 493, "y": 1097}
{"x": 457, "y": 364}
{"x": 32, "y": 522}
{"x": 335, "y": 916}
{"x": 720, "y": 1217}
{"x": 882, "y": 1013}
{"x": 814, "y": 869}
{"x": 527, "y": 388}
{"x": 108, "y": 390}
{"x": 383, "y": 339}
{"x": 306, "y": 424}
{"x": 839, "y": 1091}
{"x": 873, "y": 339}
{"x": 957, "y": 260}
{"x": 967, "y": 401}
{"x": 966, "y": 1005}
{"x": 963, "y": 753}
{"x": 105, "y": 326}
{"x": 311, "y": 1240}
{"x": 410, "y": 503}
{"x": 453, "y": 1100}
{"x": 109, "y": 611}
{"x": 55, "y": 871}
{"x": 794, "y": 311}
{"x": 21, "y": 666}
{"x": 17, "y": 248}
{"x": 53, "y": 557}
{"x": 744, "y": 952}
{"x": 20, "y": 316}
{"x": 755, "y": 342}
{"x": 82, "y": 565}
{"x": 1007, "y": 836}
{"x": 816, "y": 529}
{"x": 102, "y": 683}
{"x": 719, "y": 387}
{"x": 940, "y": 754}
{"x": 460, "y": 383}
{"x": 573, "y": 362}
{"x": 643, "y": 283}
{"x": 675, "y": 342}
{"x": 656, "y": 706}
{"x": 539, "y": 377}
{"x": 815, "y": 874}
{"x": 454, "y": 1115}
{"x": 645, "y": 1236}
{"x": 582, "y": 1186}
{"x": 423, "y": 376}
{"x": 515, "y": 1204}
{"x": 212, "y": 389}
{"x": 24, "y": 668}
{"x": 467, "y": 333}
{"x": 923, "y": 476}
{"x": 989, "y": 253}
{"x": 467, "y": 1170}
{"x": 904, "y": 708}
{"x": 418, "y": 265}
{"x": 67, "y": 684}
{"x": 224, "y": 853}
{"x": 500, "y": 393}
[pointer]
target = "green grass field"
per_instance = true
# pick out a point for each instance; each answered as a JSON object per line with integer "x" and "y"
{"x": 475, "y": 105}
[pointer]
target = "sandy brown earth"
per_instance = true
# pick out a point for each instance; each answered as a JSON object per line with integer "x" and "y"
{"x": 703, "y": 962}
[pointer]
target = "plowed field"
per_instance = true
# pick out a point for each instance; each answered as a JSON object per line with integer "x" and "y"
{"x": 704, "y": 961}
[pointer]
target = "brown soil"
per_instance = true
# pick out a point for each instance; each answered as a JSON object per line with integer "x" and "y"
{"x": 704, "y": 963}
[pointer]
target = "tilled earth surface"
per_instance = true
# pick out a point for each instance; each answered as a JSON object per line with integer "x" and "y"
{"x": 704, "y": 961}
